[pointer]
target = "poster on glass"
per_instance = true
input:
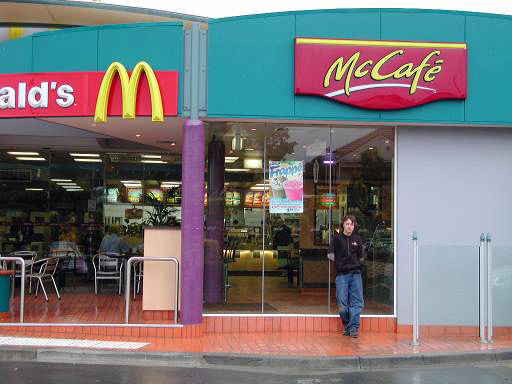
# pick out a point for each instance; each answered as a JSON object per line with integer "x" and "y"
{"x": 286, "y": 186}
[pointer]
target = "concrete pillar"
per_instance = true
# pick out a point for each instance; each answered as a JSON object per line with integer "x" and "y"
{"x": 192, "y": 211}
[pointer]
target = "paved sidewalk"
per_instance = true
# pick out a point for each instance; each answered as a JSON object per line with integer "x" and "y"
{"x": 318, "y": 344}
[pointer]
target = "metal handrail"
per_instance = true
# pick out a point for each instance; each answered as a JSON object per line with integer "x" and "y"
{"x": 22, "y": 287}
{"x": 415, "y": 289}
{"x": 128, "y": 278}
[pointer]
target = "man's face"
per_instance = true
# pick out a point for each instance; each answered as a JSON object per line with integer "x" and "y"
{"x": 348, "y": 227}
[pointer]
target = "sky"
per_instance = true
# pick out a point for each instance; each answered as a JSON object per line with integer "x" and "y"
{"x": 224, "y": 8}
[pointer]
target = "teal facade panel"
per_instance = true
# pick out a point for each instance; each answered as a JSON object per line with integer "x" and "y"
{"x": 344, "y": 25}
{"x": 161, "y": 46}
{"x": 19, "y": 54}
{"x": 250, "y": 63}
{"x": 65, "y": 51}
{"x": 490, "y": 65}
{"x": 425, "y": 26}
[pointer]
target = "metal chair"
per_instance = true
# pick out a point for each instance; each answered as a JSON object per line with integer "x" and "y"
{"x": 138, "y": 275}
{"x": 47, "y": 268}
{"x": 29, "y": 257}
{"x": 107, "y": 268}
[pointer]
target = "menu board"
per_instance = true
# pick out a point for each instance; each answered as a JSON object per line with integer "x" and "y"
{"x": 286, "y": 186}
{"x": 134, "y": 195}
{"x": 157, "y": 193}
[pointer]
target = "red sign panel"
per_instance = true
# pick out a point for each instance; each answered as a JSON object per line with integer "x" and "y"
{"x": 380, "y": 74}
{"x": 76, "y": 93}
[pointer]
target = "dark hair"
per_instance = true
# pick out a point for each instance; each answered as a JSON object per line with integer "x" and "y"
{"x": 352, "y": 218}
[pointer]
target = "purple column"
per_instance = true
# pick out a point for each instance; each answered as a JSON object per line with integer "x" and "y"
{"x": 192, "y": 210}
{"x": 214, "y": 262}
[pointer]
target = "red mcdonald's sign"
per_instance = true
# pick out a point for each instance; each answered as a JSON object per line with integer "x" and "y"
{"x": 380, "y": 74}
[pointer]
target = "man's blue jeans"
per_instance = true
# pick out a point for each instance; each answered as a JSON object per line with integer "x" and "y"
{"x": 349, "y": 294}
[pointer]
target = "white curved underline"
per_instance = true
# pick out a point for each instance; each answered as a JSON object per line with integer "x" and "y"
{"x": 368, "y": 86}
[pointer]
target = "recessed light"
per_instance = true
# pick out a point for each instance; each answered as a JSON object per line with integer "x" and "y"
{"x": 173, "y": 143}
{"x": 387, "y": 141}
{"x": 84, "y": 154}
{"x": 24, "y": 153}
{"x": 370, "y": 148}
{"x": 137, "y": 135}
{"x": 89, "y": 160}
{"x": 31, "y": 158}
{"x": 253, "y": 129}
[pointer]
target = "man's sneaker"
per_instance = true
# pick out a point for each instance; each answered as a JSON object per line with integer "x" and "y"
{"x": 346, "y": 332}
{"x": 354, "y": 334}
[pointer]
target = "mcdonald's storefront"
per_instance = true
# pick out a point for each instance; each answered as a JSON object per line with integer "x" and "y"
{"x": 254, "y": 136}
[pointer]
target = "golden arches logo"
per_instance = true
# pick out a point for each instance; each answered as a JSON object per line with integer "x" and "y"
{"x": 129, "y": 87}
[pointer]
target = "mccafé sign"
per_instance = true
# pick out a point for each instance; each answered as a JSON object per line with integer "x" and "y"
{"x": 380, "y": 74}
{"x": 116, "y": 92}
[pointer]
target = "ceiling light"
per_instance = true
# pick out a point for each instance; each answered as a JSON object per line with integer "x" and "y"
{"x": 370, "y": 148}
{"x": 249, "y": 149}
{"x": 130, "y": 181}
{"x": 70, "y": 187}
{"x": 255, "y": 188}
{"x": 31, "y": 158}
{"x": 89, "y": 160}
{"x": 151, "y": 156}
{"x": 253, "y": 163}
{"x": 131, "y": 185}
{"x": 237, "y": 170}
{"x": 173, "y": 143}
{"x": 230, "y": 159}
{"x": 62, "y": 184}
{"x": 24, "y": 153}
{"x": 387, "y": 141}
{"x": 253, "y": 129}
{"x": 84, "y": 154}
{"x": 137, "y": 135}
{"x": 33, "y": 189}
{"x": 61, "y": 180}
{"x": 154, "y": 161}
{"x": 171, "y": 182}
{"x": 74, "y": 190}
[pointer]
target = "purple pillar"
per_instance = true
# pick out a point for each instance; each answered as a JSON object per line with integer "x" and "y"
{"x": 192, "y": 211}
{"x": 214, "y": 262}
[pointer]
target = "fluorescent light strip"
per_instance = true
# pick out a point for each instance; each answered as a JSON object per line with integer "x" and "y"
{"x": 237, "y": 170}
{"x": 33, "y": 189}
{"x": 24, "y": 153}
{"x": 151, "y": 156}
{"x": 230, "y": 159}
{"x": 129, "y": 185}
{"x": 61, "y": 180}
{"x": 130, "y": 181}
{"x": 84, "y": 154}
{"x": 64, "y": 184}
{"x": 74, "y": 190}
{"x": 30, "y": 158}
{"x": 154, "y": 161}
{"x": 89, "y": 160}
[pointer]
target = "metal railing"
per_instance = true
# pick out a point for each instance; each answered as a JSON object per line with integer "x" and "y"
{"x": 485, "y": 294}
{"x": 128, "y": 278}
{"x": 22, "y": 285}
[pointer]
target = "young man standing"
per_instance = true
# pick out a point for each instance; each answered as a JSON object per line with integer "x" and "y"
{"x": 346, "y": 249}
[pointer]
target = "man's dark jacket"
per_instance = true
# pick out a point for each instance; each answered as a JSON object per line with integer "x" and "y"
{"x": 348, "y": 252}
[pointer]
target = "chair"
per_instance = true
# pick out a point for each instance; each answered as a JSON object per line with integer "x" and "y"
{"x": 29, "y": 257}
{"x": 107, "y": 268}
{"x": 138, "y": 274}
{"x": 47, "y": 268}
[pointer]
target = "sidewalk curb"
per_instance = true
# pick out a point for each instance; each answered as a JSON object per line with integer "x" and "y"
{"x": 78, "y": 356}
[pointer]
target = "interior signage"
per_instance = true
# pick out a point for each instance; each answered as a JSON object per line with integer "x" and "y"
{"x": 116, "y": 92}
{"x": 380, "y": 74}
